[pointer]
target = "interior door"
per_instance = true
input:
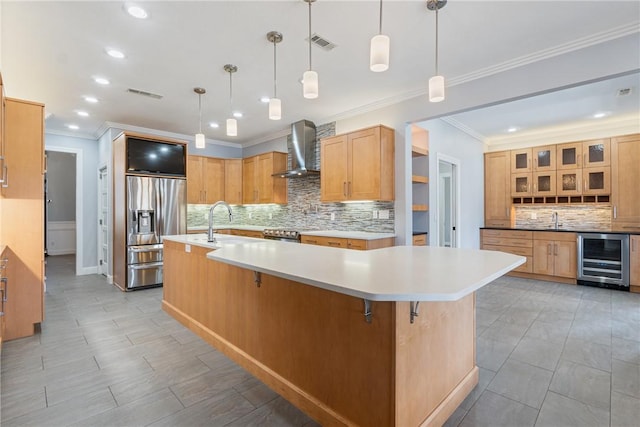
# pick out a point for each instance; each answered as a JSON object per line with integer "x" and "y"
{"x": 447, "y": 203}
{"x": 103, "y": 222}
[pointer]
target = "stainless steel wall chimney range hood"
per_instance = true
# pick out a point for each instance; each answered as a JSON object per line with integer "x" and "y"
{"x": 302, "y": 147}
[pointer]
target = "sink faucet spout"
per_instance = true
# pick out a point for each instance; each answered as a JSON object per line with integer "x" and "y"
{"x": 210, "y": 236}
{"x": 554, "y": 218}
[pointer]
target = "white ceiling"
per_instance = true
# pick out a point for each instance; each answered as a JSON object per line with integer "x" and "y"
{"x": 52, "y": 50}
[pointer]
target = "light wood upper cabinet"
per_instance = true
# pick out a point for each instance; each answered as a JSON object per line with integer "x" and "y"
{"x": 497, "y": 200}
{"x": 596, "y": 153}
{"x": 233, "y": 181}
{"x": 544, "y": 158}
{"x": 544, "y": 183}
{"x": 521, "y": 161}
{"x": 205, "y": 180}
{"x": 596, "y": 181}
{"x": 521, "y": 184}
{"x": 22, "y": 217}
{"x": 625, "y": 179}
{"x": 358, "y": 166}
{"x": 634, "y": 262}
{"x": 258, "y": 186}
{"x": 569, "y": 156}
{"x": 569, "y": 182}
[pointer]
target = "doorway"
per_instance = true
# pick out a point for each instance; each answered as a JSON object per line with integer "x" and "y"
{"x": 447, "y": 199}
{"x": 103, "y": 222}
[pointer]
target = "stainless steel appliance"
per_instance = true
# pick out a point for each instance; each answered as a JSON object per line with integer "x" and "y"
{"x": 282, "y": 235}
{"x": 155, "y": 207}
{"x": 603, "y": 260}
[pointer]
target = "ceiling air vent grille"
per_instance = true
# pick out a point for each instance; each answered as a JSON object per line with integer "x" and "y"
{"x": 321, "y": 42}
{"x": 144, "y": 93}
{"x": 624, "y": 92}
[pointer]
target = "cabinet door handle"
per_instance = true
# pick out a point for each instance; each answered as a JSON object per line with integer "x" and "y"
{"x": 555, "y": 249}
{"x": 5, "y": 286}
{"x": 633, "y": 245}
{"x": 349, "y": 188}
{"x": 344, "y": 188}
{"x": 333, "y": 243}
{"x": 5, "y": 176}
{"x": 615, "y": 212}
{"x": 535, "y": 163}
{"x": 548, "y": 248}
{"x": 584, "y": 184}
{"x": 584, "y": 159}
{"x": 311, "y": 241}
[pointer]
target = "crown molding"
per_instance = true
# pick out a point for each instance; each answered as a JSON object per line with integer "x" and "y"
{"x": 72, "y": 134}
{"x": 575, "y": 131}
{"x": 464, "y": 128}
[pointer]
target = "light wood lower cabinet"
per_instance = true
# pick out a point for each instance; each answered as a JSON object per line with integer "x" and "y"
{"x": 247, "y": 233}
{"x": 515, "y": 242}
{"x": 338, "y": 242}
{"x": 314, "y": 347}
{"x": 420, "y": 240}
{"x": 634, "y": 262}
{"x": 555, "y": 254}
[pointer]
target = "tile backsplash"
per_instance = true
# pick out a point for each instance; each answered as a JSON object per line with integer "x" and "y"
{"x": 304, "y": 209}
{"x": 572, "y": 217}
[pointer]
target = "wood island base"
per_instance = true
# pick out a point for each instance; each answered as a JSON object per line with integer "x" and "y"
{"x": 315, "y": 348}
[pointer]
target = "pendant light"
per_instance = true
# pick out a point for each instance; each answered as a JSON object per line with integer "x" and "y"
{"x": 379, "y": 52}
{"x": 200, "y": 140}
{"x": 232, "y": 124}
{"x": 275, "y": 105}
{"x": 310, "y": 77}
{"x": 436, "y": 83}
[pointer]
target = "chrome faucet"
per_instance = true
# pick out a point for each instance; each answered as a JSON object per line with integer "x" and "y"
{"x": 554, "y": 218}
{"x": 210, "y": 237}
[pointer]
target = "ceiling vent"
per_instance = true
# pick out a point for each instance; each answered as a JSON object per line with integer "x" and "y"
{"x": 144, "y": 93}
{"x": 624, "y": 92}
{"x": 321, "y": 42}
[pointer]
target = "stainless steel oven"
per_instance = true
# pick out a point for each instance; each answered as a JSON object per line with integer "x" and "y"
{"x": 603, "y": 260}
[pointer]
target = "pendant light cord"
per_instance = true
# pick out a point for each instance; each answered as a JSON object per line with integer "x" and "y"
{"x": 275, "y": 71}
{"x": 309, "y": 36}
{"x": 380, "y": 26}
{"x": 230, "y": 93}
{"x": 200, "y": 110}
{"x": 437, "y": 38}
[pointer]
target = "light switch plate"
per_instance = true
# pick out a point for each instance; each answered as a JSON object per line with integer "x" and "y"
{"x": 187, "y": 248}
{"x": 374, "y": 214}
{"x": 534, "y": 215}
{"x": 383, "y": 214}
{"x": 333, "y": 216}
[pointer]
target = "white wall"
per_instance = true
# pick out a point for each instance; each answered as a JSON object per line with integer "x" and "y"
{"x": 61, "y": 186}
{"x": 447, "y": 140}
{"x": 87, "y": 209}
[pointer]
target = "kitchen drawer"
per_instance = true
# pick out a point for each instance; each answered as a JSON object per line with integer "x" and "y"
{"x": 555, "y": 236}
{"x": 357, "y": 244}
{"x": 420, "y": 240}
{"x": 510, "y": 250}
{"x": 247, "y": 233}
{"x": 510, "y": 234}
{"x": 504, "y": 241}
{"x": 334, "y": 242}
{"x": 527, "y": 267}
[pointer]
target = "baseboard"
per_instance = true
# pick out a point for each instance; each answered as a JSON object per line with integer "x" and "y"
{"x": 86, "y": 270}
{"x": 54, "y": 252}
{"x": 442, "y": 413}
{"x": 109, "y": 279}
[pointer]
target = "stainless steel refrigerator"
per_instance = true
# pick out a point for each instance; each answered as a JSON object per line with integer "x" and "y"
{"x": 156, "y": 207}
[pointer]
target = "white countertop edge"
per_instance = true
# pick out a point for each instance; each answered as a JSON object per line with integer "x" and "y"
{"x": 433, "y": 297}
{"x": 362, "y": 235}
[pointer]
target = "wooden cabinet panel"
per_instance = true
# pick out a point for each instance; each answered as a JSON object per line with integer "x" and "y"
{"x": 596, "y": 153}
{"x": 565, "y": 259}
{"x": 509, "y": 234}
{"x": 634, "y": 262}
{"x": 521, "y": 160}
{"x": 334, "y": 242}
{"x": 233, "y": 181}
{"x": 497, "y": 193}
{"x": 625, "y": 176}
{"x": 543, "y": 257}
{"x": 356, "y": 244}
{"x": 213, "y": 179}
{"x": 555, "y": 254}
{"x": 596, "y": 180}
{"x": 247, "y": 233}
{"x": 544, "y": 183}
{"x": 195, "y": 179}
{"x": 420, "y": 240}
{"x": 521, "y": 185}
{"x": 249, "y": 190}
{"x": 358, "y": 166}
{"x": 258, "y": 186}
{"x": 544, "y": 158}
{"x": 569, "y": 182}
{"x": 22, "y": 217}
{"x": 569, "y": 156}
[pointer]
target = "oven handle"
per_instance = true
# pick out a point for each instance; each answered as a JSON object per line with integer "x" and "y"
{"x": 146, "y": 248}
{"x": 146, "y": 266}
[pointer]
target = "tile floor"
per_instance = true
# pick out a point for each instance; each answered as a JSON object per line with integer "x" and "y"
{"x": 549, "y": 355}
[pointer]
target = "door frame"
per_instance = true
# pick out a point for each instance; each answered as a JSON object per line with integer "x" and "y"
{"x": 79, "y": 210}
{"x": 456, "y": 209}
{"x": 107, "y": 274}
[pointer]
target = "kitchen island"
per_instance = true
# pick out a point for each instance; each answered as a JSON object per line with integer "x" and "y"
{"x": 374, "y": 338}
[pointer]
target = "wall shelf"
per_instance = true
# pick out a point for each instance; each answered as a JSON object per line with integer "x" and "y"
{"x": 560, "y": 200}
{"x": 419, "y": 179}
{"x": 419, "y": 151}
{"x": 419, "y": 208}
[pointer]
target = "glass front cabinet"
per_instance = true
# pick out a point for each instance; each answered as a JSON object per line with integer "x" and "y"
{"x": 544, "y": 158}
{"x": 521, "y": 161}
{"x": 544, "y": 183}
{"x": 569, "y": 156}
{"x": 596, "y": 181}
{"x": 569, "y": 182}
{"x": 521, "y": 185}
{"x": 596, "y": 153}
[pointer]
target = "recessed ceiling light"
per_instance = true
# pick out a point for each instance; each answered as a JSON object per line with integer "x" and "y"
{"x": 73, "y": 127}
{"x": 264, "y": 99}
{"x": 101, "y": 81}
{"x": 91, "y": 99}
{"x": 512, "y": 129}
{"x": 136, "y": 11}
{"x": 114, "y": 53}
{"x": 599, "y": 115}
{"x": 214, "y": 125}
{"x": 237, "y": 114}
{"x": 82, "y": 113}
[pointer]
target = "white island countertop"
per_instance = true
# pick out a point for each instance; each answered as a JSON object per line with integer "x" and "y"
{"x": 362, "y": 235}
{"x": 398, "y": 273}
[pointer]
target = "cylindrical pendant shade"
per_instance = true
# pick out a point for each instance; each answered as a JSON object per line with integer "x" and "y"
{"x": 436, "y": 89}
{"x": 200, "y": 141}
{"x": 310, "y": 84}
{"x": 232, "y": 127}
{"x": 275, "y": 109}
{"x": 379, "y": 56}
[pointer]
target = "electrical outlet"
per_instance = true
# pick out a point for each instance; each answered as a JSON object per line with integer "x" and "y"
{"x": 187, "y": 248}
{"x": 383, "y": 214}
{"x": 374, "y": 214}
{"x": 534, "y": 215}
{"x": 333, "y": 216}
{"x": 206, "y": 215}
{"x": 250, "y": 215}
{"x": 270, "y": 215}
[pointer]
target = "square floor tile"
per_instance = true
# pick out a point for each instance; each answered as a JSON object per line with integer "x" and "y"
{"x": 542, "y": 353}
{"x": 493, "y": 410}
{"x": 521, "y": 382}
{"x": 558, "y": 410}
{"x": 588, "y": 385}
